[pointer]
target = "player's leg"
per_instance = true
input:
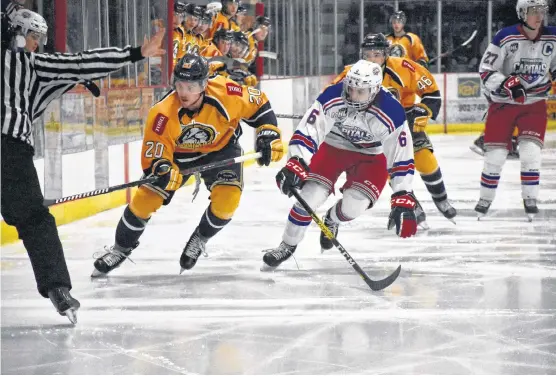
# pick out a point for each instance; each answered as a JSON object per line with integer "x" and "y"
{"x": 146, "y": 201}
{"x": 478, "y": 146}
{"x": 325, "y": 168}
{"x": 427, "y": 165}
{"x": 498, "y": 133}
{"x": 225, "y": 185}
{"x": 532, "y": 127}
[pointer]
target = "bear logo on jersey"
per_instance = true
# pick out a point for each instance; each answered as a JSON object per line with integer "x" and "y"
{"x": 397, "y": 50}
{"x": 196, "y": 135}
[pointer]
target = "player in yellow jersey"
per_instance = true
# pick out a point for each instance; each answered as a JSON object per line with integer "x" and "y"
{"x": 194, "y": 124}
{"x": 193, "y": 15}
{"x": 404, "y": 44}
{"x": 220, "y": 44}
{"x": 178, "y": 33}
{"x": 260, "y": 31}
{"x": 203, "y": 28}
{"x": 222, "y": 18}
{"x": 406, "y": 80}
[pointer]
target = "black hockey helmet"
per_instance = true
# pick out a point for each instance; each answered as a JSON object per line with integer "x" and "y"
{"x": 240, "y": 45}
{"x": 399, "y": 16}
{"x": 241, "y": 9}
{"x": 262, "y": 21}
{"x": 225, "y": 5}
{"x": 374, "y": 42}
{"x": 179, "y": 7}
{"x": 223, "y": 34}
{"x": 191, "y": 68}
{"x": 194, "y": 10}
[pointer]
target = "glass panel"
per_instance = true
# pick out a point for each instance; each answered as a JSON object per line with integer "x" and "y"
{"x": 459, "y": 20}
{"x": 74, "y": 38}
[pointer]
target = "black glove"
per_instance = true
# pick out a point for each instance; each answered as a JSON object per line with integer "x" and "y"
{"x": 292, "y": 175}
{"x": 169, "y": 177}
{"x": 269, "y": 142}
{"x": 403, "y": 214}
{"x": 514, "y": 89}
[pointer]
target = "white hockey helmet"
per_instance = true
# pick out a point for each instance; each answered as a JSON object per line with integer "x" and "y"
{"x": 361, "y": 84}
{"x": 28, "y": 21}
{"x": 523, "y": 6}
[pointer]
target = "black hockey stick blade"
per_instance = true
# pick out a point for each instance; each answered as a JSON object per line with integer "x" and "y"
{"x": 469, "y": 40}
{"x": 374, "y": 285}
{"x": 92, "y": 87}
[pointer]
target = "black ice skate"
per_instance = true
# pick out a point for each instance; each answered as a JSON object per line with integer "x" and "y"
{"x": 446, "y": 209}
{"x": 274, "y": 257}
{"x": 193, "y": 249}
{"x": 64, "y": 303}
{"x": 111, "y": 260}
{"x": 482, "y": 208}
{"x": 478, "y": 145}
{"x": 325, "y": 243}
{"x": 531, "y": 209}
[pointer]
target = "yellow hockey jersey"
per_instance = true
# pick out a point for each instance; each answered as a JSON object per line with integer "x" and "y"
{"x": 409, "y": 46}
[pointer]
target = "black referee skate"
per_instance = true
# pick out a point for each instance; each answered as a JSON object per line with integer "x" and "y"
{"x": 482, "y": 208}
{"x": 275, "y": 256}
{"x": 478, "y": 145}
{"x": 111, "y": 260}
{"x": 193, "y": 249}
{"x": 446, "y": 209}
{"x": 325, "y": 243}
{"x": 64, "y": 303}
{"x": 531, "y": 209}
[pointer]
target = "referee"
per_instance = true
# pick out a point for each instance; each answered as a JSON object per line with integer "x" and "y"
{"x": 29, "y": 83}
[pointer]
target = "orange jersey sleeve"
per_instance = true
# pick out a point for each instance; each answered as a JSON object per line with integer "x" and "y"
{"x": 210, "y": 50}
{"x": 220, "y": 21}
{"x": 178, "y": 44}
{"x": 158, "y": 140}
{"x": 253, "y": 50}
{"x": 417, "y": 50}
{"x": 341, "y": 76}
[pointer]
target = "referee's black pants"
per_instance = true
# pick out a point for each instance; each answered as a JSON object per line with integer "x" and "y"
{"x": 22, "y": 207}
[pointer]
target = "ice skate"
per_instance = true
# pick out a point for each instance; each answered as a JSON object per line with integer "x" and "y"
{"x": 193, "y": 249}
{"x": 274, "y": 257}
{"x": 531, "y": 209}
{"x": 478, "y": 145}
{"x": 421, "y": 216}
{"x": 325, "y": 243}
{"x": 447, "y": 210}
{"x": 64, "y": 303}
{"x": 482, "y": 208}
{"x": 111, "y": 260}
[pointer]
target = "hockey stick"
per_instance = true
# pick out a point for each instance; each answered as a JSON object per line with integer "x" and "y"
{"x": 268, "y": 55}
{"x": 187, "y": 171}
{"x": 473, "y": 35}
{"x": 285, "y": 116}
{"x": 374, "y": 285}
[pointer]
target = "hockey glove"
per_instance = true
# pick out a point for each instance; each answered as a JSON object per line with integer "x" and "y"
{"x": 514, "y": 89}
{"x": 418, "y": 117}
{"x": 292, "y": 175}
{"x": 403, "y": 214}
{"x": 169, "y": 177}
{"x": 269, "y": 142}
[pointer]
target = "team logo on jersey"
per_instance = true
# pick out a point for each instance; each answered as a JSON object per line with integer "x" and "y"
{"x": 354, "y": 134}
{"x": 159, "y": 124}
{"x": 547, "y": 49}
{"x": 530, "y": 69}
{"x": 398, "y": 50}
{"x": 196, "y": 135}
{"x": 514, "y": 47}
{"x": 341, "y": 114}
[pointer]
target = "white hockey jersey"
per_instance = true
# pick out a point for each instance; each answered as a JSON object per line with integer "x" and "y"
{"x": 511, "y": 52}
{"x": 381, "y": 129}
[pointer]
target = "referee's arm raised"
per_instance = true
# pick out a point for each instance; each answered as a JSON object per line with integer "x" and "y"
{"x": 93, "y": 64}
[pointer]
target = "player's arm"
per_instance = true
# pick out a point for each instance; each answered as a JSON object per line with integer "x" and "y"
{"x": 258, "y": 113}
{"x": 341, "y": 76}
{"x": 398, "y": 148}
{"x": 431, "y": 101}
{"x": 157, "y": 155}
{"x": 418, "y": 52}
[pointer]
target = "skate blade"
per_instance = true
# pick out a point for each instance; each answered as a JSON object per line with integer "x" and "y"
{"x": 71, "y": 314}
{"x": 477, "y": 150}
{"x": 97, "y": 274}
{"x": 424, "y": 226}
{"x": 530, "y": 217}
{"x": 322, "y": 250}
{"x": 452, "y": 220}
{"x": 182, "y": 270}
{"x": 480, "y": 215}
{"x": 267, "y": 268}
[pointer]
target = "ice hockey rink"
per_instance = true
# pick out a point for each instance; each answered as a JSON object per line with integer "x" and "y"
{"x": 472, "y": 298}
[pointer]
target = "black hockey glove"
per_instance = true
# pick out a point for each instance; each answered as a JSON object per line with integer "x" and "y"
{"x": 292, "y": 175}
{"x": 514, "y": 89}
{"x": 402, "y": 215}
{"x": 269, "y": 142}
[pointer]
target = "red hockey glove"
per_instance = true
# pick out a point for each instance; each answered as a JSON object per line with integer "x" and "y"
{"x": 514, "y": 89}
{"x": 403, "y": 215}
{"x": 292, "y": 175}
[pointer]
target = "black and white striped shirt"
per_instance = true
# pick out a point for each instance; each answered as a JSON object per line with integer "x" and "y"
{"x": 31, "y": 81}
